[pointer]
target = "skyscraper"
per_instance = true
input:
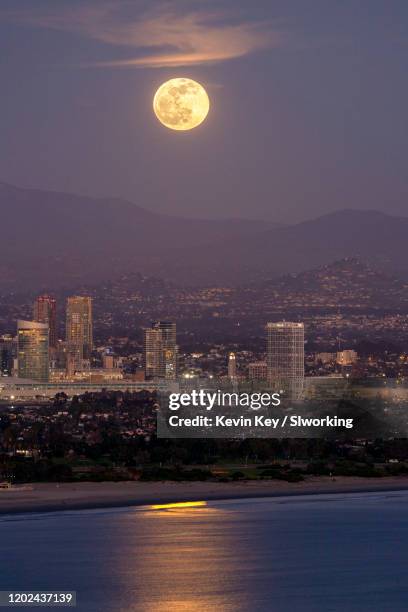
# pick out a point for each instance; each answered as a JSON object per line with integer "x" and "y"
{"x": 45, "y": 311}
{"x": 160, "y": 350}
{"x": 286, "y": 357}
{"x": 152, "y": 353}
{"x": 79, "y": 333}
{"x": 33, "y": 350}
{"x": 7, "y": 354}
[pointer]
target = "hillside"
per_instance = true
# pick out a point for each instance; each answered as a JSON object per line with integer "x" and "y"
{"x": 59, "y": 239}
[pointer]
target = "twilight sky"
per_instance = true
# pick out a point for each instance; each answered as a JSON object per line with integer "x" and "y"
{"x": 309, "y": 103}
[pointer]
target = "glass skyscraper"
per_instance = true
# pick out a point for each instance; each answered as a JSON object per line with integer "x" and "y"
{"x": 79, "y": 330}
{"x": 8, "y": 352}
{"x": 160, "y": 350}
{"x": 286, "y": 358}
{"x": 32, "y": 350}
{"x": 45, "y": 311}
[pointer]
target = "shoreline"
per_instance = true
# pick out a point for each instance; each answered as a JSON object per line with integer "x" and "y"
{"x": 54, "y": 497}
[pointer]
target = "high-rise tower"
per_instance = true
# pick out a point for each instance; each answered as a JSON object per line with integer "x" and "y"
{"x": 45, "y": 311}
{"x": 8, "y": 351}
{"x": 79, "y": 333}
{"x": 160, "y": 350}
{"x": 33, "y": 350}
{"x": 286, "y": 357}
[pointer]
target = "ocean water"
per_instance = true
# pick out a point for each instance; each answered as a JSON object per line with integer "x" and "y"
{"x": 317, "y": 553}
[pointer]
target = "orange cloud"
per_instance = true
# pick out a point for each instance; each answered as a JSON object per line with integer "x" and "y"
{"x": 159, "y": 37}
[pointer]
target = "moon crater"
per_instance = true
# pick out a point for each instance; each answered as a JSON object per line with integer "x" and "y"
{"x": 181, "y": 104}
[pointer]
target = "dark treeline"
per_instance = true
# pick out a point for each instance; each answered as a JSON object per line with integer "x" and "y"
{"x": 111, "y": 436}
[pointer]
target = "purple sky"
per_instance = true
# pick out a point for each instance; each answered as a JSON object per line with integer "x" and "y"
{"x": 308, "y": 103}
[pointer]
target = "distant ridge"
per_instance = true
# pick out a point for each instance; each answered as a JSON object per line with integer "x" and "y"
{"x": 372, "y": 236}
{"x": 60, "y": 239}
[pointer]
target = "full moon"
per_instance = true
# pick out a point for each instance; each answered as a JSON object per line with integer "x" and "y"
{"x": 181, "y": 104}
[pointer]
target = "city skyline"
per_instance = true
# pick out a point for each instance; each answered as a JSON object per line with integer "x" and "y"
{"x": 283, "y": 369}
{"x": 160, "y": 349}
{"x": 335, "y": 302}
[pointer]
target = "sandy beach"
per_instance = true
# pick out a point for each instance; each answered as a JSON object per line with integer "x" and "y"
{"x": 51, "y": 497}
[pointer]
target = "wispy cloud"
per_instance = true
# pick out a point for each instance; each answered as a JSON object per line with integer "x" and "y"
{"x": 170, "y": 34}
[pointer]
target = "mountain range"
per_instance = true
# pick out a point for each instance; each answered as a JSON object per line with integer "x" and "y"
{"x": 50, "y": 239}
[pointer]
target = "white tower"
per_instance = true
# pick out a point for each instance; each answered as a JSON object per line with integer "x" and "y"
{"x": 232, "y": 367}
{"x": 286, "y": 357}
